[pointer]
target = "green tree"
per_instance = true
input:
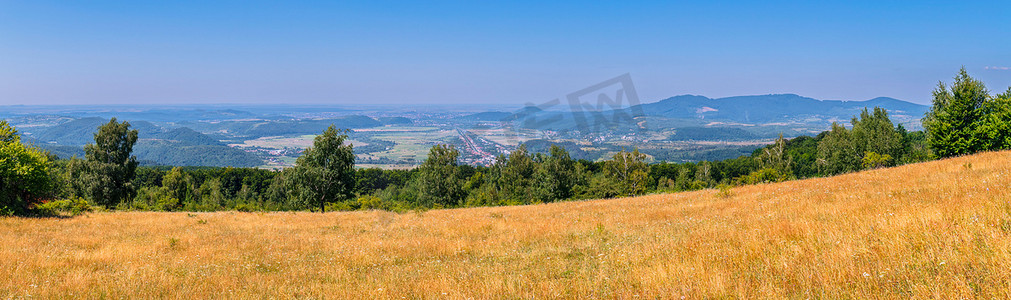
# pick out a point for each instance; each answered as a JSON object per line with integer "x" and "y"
{"x": 703, "y": 176}
{"x": 843, "y": 150}
{"x": 837, "y": 152}
{"x": 516, "y": 175}
{"x": 440, "y": 181}
{"x": 556, "y": 175}
{"x": 629, "y": 170}
{"x": 178, "y": 183}
{"x": 775, "y": 157}
{"x": 994, "y": 129}
{"x": 874, "y": 132}
{"x": 106, "y": 177}
{"x": 325, "y": 172}
{"x": 951, "y": 122}
{"x": 24, "y": 173}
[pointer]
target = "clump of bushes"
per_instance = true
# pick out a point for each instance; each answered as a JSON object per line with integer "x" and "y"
{"x": 73, "y": 206}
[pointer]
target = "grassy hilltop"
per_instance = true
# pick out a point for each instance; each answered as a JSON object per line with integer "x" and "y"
{"x": 936, "y": 229}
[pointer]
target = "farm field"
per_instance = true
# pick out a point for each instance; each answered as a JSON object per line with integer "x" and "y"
{"x": 412, "y": 143}
{"x": 939, "y": 229}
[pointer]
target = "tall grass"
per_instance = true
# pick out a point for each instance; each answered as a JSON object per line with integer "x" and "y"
{"x": 935, "y": 229}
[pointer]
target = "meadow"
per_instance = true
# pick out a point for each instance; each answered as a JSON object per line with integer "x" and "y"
{"x": 939, "y": 229}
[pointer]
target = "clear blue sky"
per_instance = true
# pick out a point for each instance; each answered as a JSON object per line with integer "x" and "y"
{"x": 107, "y": 52}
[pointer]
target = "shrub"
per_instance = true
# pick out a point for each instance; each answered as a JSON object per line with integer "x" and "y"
{"x": 370, "y": 202}
{"x": 766, "y": 175}
{"x": 24, "y": 173}
{"x": 247, "y": 207}
{"x": 873, "y": 160}
{"x": 725, "y": 191}
{"x": 73, "y": 206}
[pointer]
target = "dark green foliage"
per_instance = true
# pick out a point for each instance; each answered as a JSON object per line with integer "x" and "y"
{"x": 374, "y": 179}
{"x": 325, "y": 172}
{"x": 873, "y": 142}
{"x": 630, "y": 171}
{"x": 440, "y": 182}
{"x": 803, "y": 151}
{"x": 556, "y": 175}
{"x": 106, "y": 176}
{"x": 966, "y": 119}
{"x": 517, "y": 174}
{"x": 951, "y": 124}
{"x": 179, "y": 154}
{"x": 994, "y": 129}
{"x": 874, "y": 132}
{"x": 837, "y": 153}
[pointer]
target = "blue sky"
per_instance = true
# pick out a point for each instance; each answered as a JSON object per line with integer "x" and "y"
{"x": 376, "y": 52}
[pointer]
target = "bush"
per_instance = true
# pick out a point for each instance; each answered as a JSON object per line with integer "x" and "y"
{"x": 873, "y": 160}
{"x": 725, "y": 191}
{"x": 338, "y": 206}
{"x": 25, "y": 177}
{"x": 369, "y": 203}
{"x": 247, "y": 207}
{"x": 766, "y": 175}
{"x": 73, "y": 206}
{"x": 6, "y": 212}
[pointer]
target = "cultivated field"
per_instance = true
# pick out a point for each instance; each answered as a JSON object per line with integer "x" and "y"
{"x": 940, "y": 229}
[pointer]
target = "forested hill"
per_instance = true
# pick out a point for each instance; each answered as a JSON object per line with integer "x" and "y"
{"x": 178, "y": 147}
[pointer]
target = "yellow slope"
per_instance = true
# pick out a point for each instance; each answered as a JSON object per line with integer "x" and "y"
{"x": 937, "y": 229}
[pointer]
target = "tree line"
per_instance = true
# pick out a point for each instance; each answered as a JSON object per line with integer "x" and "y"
{"x": 965, "y": 118}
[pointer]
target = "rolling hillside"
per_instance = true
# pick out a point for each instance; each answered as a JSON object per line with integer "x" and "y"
{"x": 940, "y": 229}
{"x": 180, "y": 146}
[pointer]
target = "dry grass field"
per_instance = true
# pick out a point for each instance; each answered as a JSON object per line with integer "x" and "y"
{"x": 933, "y": 230}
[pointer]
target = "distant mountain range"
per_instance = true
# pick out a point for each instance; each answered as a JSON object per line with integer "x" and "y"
{"x": 776, "y": 108}
{"x": 761, "y": 114}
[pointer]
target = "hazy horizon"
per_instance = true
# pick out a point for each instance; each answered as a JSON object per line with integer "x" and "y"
{"x": 310, "y": 53}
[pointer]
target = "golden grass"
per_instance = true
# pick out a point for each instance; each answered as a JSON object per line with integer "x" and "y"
{"x": 938, "y": 229}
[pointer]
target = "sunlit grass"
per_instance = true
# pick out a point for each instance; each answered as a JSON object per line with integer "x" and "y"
{"x": 938, "y": 229}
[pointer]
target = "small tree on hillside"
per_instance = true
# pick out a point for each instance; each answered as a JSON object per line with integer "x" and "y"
{"x": 325, "y": 172}
{"x": 106, "y": 176}
{"x": 874, "y": 132}
{"x": 630, "y": 170}
{"x": 951, "y": 122}
{"x": 439, "y": 176}
{"x": 517, "y": 175}
{"x": 775, "y": 157}
{"x": 837, "y": 153}
{"x": 556, "y": 175}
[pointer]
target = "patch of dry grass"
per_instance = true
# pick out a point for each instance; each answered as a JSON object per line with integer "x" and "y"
{"x": 938, "y": 229}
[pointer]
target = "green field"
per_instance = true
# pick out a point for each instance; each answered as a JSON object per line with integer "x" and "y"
{"x": 412, "y": 143}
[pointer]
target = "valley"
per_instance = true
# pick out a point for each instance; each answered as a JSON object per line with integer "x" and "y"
{"x": 678, "y": 129}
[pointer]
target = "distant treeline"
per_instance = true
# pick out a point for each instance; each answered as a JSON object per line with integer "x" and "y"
{"x": 964, "y": 119}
